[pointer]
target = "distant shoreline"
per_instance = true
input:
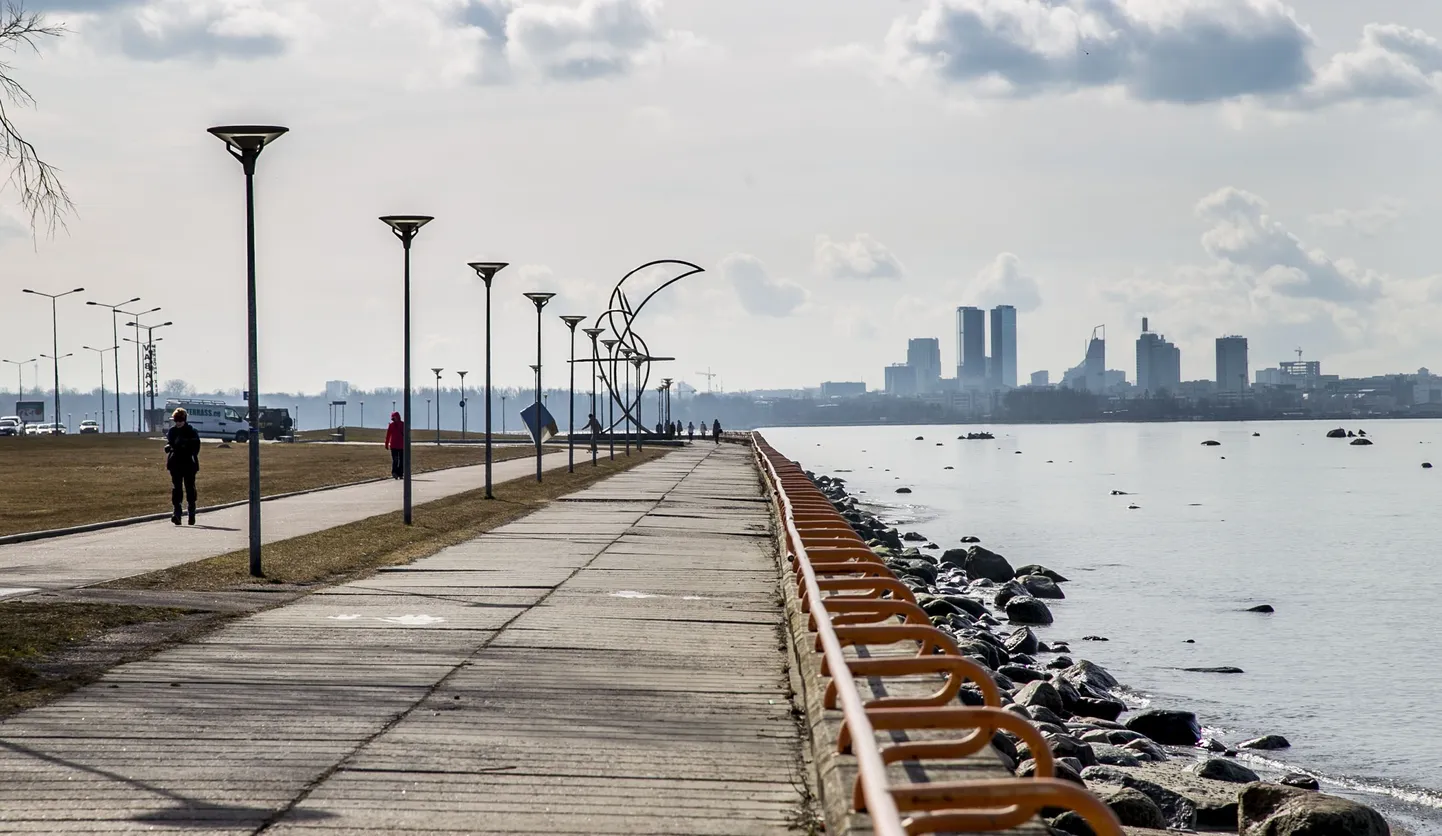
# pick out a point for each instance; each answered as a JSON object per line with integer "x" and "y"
{"x": 1103, "y": 420}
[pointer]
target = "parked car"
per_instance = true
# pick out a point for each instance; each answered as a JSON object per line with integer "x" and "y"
{"x": 10, "y": 425}
{"x": 49, "y": 429}
{"x": 89, "y": 426}
{"x": 211, "y": 419}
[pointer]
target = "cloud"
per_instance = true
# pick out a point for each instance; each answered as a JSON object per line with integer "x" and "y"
{"x": 1367, "y": 222}
{"x": 159, "y": 30}
{"x": 758, "y": 292}
{"x": 593, "y": 39}
{"x": 863, "y": 257}
{"x": 1003, "y": 283}
{"x": 1177, "y": 51}
{"x": 13, "y": 226}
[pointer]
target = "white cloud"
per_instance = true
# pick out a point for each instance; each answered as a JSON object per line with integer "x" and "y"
{"x": 1003, "y": 283}
{"x": 758, "y": 292}
{"x": 13, "y": 226}
{"x": 1178, "y": 51}
{"x": 158, "y": 30}
{"x": 863, "y": 257}
{"x": 1367, "y": 222}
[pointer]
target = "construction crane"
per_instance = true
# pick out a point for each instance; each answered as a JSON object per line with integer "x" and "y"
{"x": 708, "y": 374}
{"x": 1299, "y": 354}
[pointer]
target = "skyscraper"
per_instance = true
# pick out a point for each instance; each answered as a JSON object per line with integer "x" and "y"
{"x": 1003, "y": 347}
{"x": 924, "y": 355}
{"x": 1232, "y": 369}
{"x": 970, "y": 346}
{"x": 1159, "y": 363}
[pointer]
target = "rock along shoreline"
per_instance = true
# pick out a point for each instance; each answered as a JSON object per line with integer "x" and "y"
{"x": 1153, "y": 767}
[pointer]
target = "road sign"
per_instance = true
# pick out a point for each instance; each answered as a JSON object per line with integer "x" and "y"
{"x": 30, "y": 412}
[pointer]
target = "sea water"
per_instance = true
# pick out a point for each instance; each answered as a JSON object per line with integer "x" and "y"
{"x": 1344, "y": 541}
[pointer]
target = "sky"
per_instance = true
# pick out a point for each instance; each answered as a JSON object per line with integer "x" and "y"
{"x": 847, "y": 172}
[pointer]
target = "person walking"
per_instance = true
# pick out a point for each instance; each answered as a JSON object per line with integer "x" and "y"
{"x": 691, "y": 431}
{"x": 182, "y": 459}
{"x": 594, "y": 428}
{"x": 396, "y": 443}
{"x": 716, "y": 430}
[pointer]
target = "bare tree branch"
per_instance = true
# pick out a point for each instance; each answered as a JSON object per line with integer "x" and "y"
{"x": 41, "y": 192}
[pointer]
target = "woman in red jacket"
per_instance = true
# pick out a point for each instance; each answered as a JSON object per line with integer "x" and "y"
{"x": 396, "y": 443}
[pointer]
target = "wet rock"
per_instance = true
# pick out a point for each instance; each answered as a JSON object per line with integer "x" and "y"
{"x": 1040, "y": 586}
{"x": 955, "y": 558}
{"x": 937, "y": 607}
{"x": 988, "y": 653}
{"x": 1025, "y": 609}
{"x": 1146, "y": 750}
{"x": 1217, "y": 815}
{"x": 931, "y": 546}
{"x": 984, "y": 563}
{"x": 1017, "y": 673}
{"x": 1110, "y": 755}
{"x": 1180, "y": 812}
{"x": 1301, "y": 781}
{"x": 1038, "y": 569}
{"x": 970, "y": 606}
{"x": 1223, "y": 669}
{"x": 1022, "y": 640}
{"x": 1276, "y": 810}
{"x": 970, "y": 539}
{"x": 1027, "y": 769}
{"x": 1060, "y": 663}
{"x": 1095, "y": 639}
{"x": 1262, "y": 608}
{"x": 1211, "y": 443}
{"x": 903, "y": 490}
{"x": 1008, "y": 591}
{"x": 983, "y": 583}
{"x": 1221, "y": 769}
{"x": 1337, "y": 433}
{"x": 1361, "y": 442}
{"x": 1004, "y": 744}
{"x": 1167, "y": 727}
{"x": 922, "y": 569}
{"x": 1135, "y": 809}
{"x": 1099, "y": 709}
{"x": 1071, "y": 822}
{"x": 1266, "y": 741}
{"x": 1040, "y": 694}
{"x": 1085, "y": 674}
{"x": 913, "y": 537}
{"x": 1427, "y": 465}
{"x": 1212, "y": 744}
{"x": 1042, "y": 714}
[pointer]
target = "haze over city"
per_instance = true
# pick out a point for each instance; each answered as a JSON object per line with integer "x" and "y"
{"x": 1239, "y": 167}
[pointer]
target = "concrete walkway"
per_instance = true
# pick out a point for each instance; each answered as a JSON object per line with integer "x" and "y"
{"x": 612, "y": 663}
{"x": 93, "y": 557}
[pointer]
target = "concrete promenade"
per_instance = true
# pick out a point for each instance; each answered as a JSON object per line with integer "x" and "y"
{"x": 93, "y": 557}
{"x": 613, "y": 663}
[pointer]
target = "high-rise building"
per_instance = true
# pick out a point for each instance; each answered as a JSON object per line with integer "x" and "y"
{"x": 1232, "y": 369}
{"x": 1096, "y": 363}
{"x": 1041, "y": 378}
{"x": 900, "y": 379}
{"x": 970, "y": 346}
{"x": 924, "y": 355}
{"x": 1003, "y": 347}
{"x": 1159, "y": 363}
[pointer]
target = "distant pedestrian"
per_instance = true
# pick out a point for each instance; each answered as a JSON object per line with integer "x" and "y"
{"x": 691, "y": 431}
{"x": 182, "y": 459}
{"x": 594, "y": 428}
{"x": 716, "y": 430}
{"x": 396, "y": 443}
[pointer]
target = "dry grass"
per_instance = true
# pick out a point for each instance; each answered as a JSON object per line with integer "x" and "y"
{"x": 419, "y": 435}
{"x": 60, "y": 481}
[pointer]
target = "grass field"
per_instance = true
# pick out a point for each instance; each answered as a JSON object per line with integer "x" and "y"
{"x": 59, "y": 481}
{"x": 377, "y": 435}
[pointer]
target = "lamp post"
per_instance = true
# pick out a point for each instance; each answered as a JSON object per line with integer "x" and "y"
{"x": 438, "y": 403}
{"x": 245, "y": 142}
{"x": 637, "y": 360}
{"x": 56, "y": 361}
{"x": 487, "y": 270}
{"x": 626, "y": 368}
{"x": 428, "y": 416}
{"x": 540, "y": 300}
{"x": 139, "y": 406}
{"x": 150, "y": 342}
{"x": 55, "y": 337}
{"x": 115, "y": 342}
{"x": 593, "y": 333}
{"x": 101, "y": 352}
{"x": 666, "y": 387}
{"x": 571, "y": 322}
{"x": 363, "y": 414}
{"x": 405, "y": 228}
{"x": 503, "y": 415}
{"x": 463, "y": 405}
{"x": 19, "y": 380}
{"x": 611, "y": 401}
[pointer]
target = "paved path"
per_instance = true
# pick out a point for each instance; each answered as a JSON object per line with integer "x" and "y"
{"x": 93, "y": 557}
{"x": 609, "y": 664}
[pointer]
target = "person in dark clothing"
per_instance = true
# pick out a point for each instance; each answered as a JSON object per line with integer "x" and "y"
{"x": 716, "y": 430}
{"x": 182, "y": 459}
{"x": 594, "y": 428}
{"x": 396, "y": 443}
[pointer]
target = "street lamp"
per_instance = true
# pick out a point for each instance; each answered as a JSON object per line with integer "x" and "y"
{"x": 245, "y": 142}
{"x": 463, "y": 405}
{"x": 571, "y": 322}
{"x": 139, "y": 407}
{"x": 115, "y": 342}
{"x": 487, "y": 270}
{"x": 637, "y": 360}
{"x": 19, "y": 380}
{"x": 666, "y": 387}
{"x": 101, "y": 352}
{"x": 405, "y": 228}
{"x": 438, "y": 404}
{"x": 55, "y": 337}
{"x": 593, "y": 333}
{"x": 626, "y": 367}
{"x": 540, "y": 299}
{"x": 611, "y": 401}
{"x": 56, "y": 360}
{"x": 150, "y": 342}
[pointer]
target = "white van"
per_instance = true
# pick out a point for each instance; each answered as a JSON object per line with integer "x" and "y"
{"x": 211, "y": 419}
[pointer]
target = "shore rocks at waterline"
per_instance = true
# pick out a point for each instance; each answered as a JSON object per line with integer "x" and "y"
{"x": 1278, "y": 810}
{"x": 1168, "y": 727}
{"x": 1266, "y": 742}
{"x": 1040, "y": 586}
{"x": 1038, "y": 569}
{"x": 1221, "y": 769}
{"x": 1024, "y": 609}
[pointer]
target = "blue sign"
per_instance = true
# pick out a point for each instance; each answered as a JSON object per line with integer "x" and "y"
{"x": 548, "y": 424}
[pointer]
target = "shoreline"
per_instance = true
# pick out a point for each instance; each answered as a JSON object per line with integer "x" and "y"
{"x": 988, "y": 605}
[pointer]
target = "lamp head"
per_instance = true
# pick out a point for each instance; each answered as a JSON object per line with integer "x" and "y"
{"x": 437, "y": 371}
{"x": 539, "y": 298}
{"x": 609, "y": 343}
{"x": 247, "y": 139}
{"x": 406, "y": 226}
{"x": 572, "y": 321}
{"x": 593, "y": 333}
{"x": 487, "y": 270}
{"x": 626, "y": 352}
{"x": 535, "y": 368}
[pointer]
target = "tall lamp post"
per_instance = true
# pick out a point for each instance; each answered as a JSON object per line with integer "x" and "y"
{"x": 150, "y": 341}
{"x": 438, "y": 403}
{"x": 594, "y": 333}
{"x": 139, "y": 406}
{"x": 666, "y": 387}
{"x": 540, "y": 300}
{"x": 56, "y": 361}
{"x": 55, "y": 337}
{"x": 487, "y": 270}
{"x": 571, "y": 322}
{"x": 611, "y": 401}
{"x": 245, "y": 142}
{"x": 405, "y": 228}
{"x": 463, "y": 405}
{"x": 115, "y": 342}
{"x": 19, "y": 379}
{"x": 101, "y": 352}
{"x": 637, "y": 360}
{"x": 626, "y": 368}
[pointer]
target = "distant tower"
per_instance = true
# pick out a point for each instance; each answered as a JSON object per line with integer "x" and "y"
{"x": 1096, "y": 361}
{"x": 1159, "y": 363}
{"x": 971, "y": 346}
{"x": 924, "y": 355}
{"x": 1232, "y": 368}
{"x": 1003, "y": 347}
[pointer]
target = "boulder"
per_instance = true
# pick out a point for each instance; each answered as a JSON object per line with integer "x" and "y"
{"x": 1008, "y": 591}
{"x": 903, "y": 490}
{"x": 1222, "y": 669}
{"x": 1039, "y": 693}
{"x": 1221, "y": 769}
{"x": 989, "y": 654}
{"x": 1027, "y": 769}
{"x": 1040, "y": 586}
{"x": 1211, "y": 443}
{"x": 1361, "y": 442}
{"x": 1071, "y": 822}
{"x": 970, "y": 539}
{"x": 1025, "y": 609}
{"x": 985, "y": 563}
{"x": 914, "y": 537}
{"x": 1044, "y": 715}
{"x": 1059, "y": 662}
{"x": 1261, "y": 608}
{"x": 970, "y": 606}
{"x": 1095, "y": 639}
{"x": 1085, "y": 674}
{"x": 1110, "y": 755}
{"x": 938, "y": 607}
{"x": 1301, "y": 781}
{"x": 1065, "y": 746}
{"x": 1276, "y": 810}
{"x": 953, "y": 557}
{"x": 1021, "y": 640}
{"x": 1337, "y": 433}
{"x": 1217, "y": 815}
{"x": 1017, "y": 673}
{"x": 1146, "y": 750}
{"x": 1038, "y": 569}
{"x": 917, "y": 567}
{"x": 1099, "y": 709}
{"x": 1179, "y": 811}
{"x": 1266, "y": 741}
{"x": 1135, "y": 809}
{"x": 1167, "y": 727}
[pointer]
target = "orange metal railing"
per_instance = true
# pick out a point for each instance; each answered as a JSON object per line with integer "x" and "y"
{"x": 852, "y": 598}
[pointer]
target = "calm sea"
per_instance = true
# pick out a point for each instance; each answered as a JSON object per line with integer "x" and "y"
{"x": 1345, "y": 541}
